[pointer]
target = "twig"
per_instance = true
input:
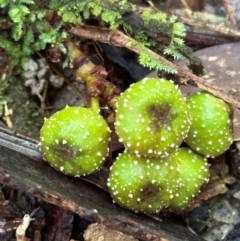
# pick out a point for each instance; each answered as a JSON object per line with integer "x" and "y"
{"x": 21, "y": 229}
{"x": 218, "y": 28}
{"x": 230, "y": 13}
{"x": 207, "y": 39}
{"x": 93, "y": 75}
{"x": 117, "y": 38}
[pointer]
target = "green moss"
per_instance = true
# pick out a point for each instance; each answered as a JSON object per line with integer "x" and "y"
{"x": 36, "y": 24}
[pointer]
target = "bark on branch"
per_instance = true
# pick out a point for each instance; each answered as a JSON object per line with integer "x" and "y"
{"x": 119, "y": 39}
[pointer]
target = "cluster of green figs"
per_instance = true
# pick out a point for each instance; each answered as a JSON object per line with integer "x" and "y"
{"x": 167, "y": 140}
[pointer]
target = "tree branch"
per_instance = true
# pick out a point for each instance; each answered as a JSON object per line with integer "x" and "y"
{"x": 119, "y": 39}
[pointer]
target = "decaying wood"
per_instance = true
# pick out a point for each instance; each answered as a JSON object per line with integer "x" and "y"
{"x": 90, "y": 202}
{"x": 99, "y": 232}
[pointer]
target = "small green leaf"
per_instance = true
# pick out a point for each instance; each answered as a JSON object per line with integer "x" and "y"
{"x": 18, "y": 12}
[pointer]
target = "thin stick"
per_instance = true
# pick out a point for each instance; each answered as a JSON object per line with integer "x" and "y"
{"x": 117, "y": 38}
{"x": 229, "y": 9}
{"x": 21, "y": 229}
{"x": 218, "y": 28}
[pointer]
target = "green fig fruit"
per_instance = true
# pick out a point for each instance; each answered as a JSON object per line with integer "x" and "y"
{"x": 144, "y": 184}
{"x": 211, "y": 130}
{"x": 194, "y": 172}
{"x": 75, "y": 141}
{"x": 152, "y": 117}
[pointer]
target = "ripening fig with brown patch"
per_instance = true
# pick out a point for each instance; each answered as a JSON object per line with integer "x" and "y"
{"x": 75, "y": 140}
{"x": 152, "y": 118}
{"x": 147, "y": 184}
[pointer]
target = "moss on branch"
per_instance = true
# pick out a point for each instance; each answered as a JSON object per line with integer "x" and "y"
{"x": 36, "y": 24}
